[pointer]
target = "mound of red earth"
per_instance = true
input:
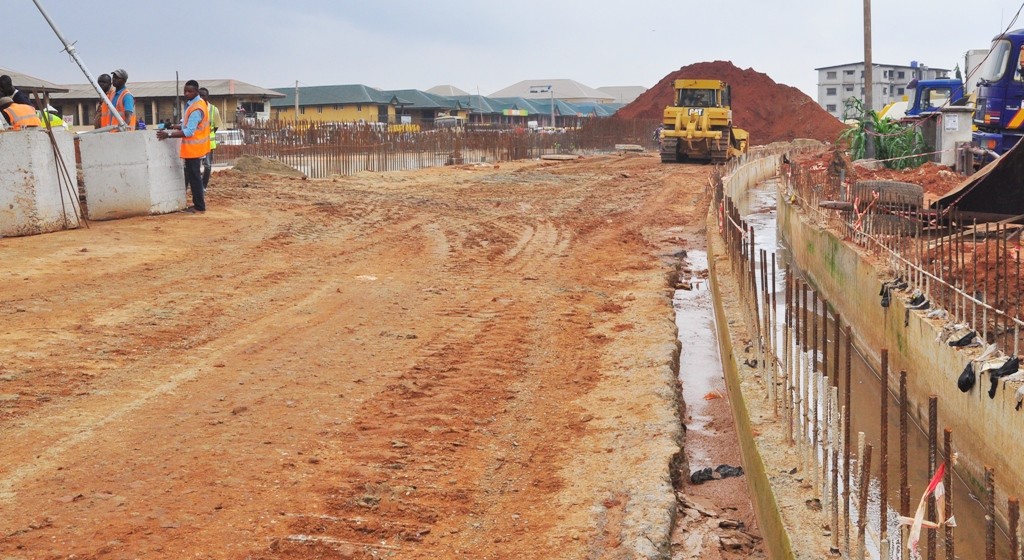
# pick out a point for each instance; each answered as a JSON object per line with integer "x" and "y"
{"x": 769, "y": 111}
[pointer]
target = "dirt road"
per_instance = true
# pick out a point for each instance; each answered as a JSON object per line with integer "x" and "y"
{"x": 451, "y": 363}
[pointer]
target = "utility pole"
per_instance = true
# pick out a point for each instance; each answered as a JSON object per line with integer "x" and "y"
{"x": 296, "y": 100}
{"x": 551, "y": 90}
{"x": 869, "y": 86}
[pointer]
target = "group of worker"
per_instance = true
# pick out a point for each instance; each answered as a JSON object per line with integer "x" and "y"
{"x": 18, "y": 112}
{"x": 197, "y": 129}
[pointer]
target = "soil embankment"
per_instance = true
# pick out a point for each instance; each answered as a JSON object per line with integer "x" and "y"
{"x": 769, "y": 111}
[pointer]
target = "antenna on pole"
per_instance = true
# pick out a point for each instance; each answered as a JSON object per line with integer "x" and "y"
{"x": 70, "y": 48}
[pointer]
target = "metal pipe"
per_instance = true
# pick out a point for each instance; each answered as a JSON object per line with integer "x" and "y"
{"x": 70, "y": 48}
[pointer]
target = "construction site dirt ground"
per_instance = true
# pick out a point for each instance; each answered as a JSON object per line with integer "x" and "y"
{"x": 467, "y": 362}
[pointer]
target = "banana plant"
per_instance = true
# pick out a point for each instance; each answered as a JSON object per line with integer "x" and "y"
{"x": 897, "y": 145}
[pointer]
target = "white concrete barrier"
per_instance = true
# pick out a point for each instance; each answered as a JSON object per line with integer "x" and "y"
{"x": 34, "y": 196}
{"x": 131, "y": 174}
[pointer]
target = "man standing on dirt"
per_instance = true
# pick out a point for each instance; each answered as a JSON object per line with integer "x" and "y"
{"x": 102, "y": 112}
{"x": 123, "y": 99}
{"x": 215, "y": 123}
{"x": 194, "y": 132}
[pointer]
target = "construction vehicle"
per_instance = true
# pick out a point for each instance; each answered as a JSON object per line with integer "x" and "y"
{"x": 999, "y": 112}
{"x": 925, "y": 97}
{"x": 698, "y": 125}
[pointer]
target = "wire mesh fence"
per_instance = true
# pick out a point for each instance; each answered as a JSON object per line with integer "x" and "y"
{"x": 323, "y": 149}
{"x": 962, "y": 265}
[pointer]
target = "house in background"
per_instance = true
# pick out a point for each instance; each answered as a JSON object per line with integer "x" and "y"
{"x": 30, "y": 84}
{"x": 448, "y": 91}
{"x": 159, "y": 101}
{"x": 562, "y": 89}
{"x": 343, "y": 103}
{"x": 623, "y": 94}
{"x": 838, "y": 83}
{"x": 420, "y": 107}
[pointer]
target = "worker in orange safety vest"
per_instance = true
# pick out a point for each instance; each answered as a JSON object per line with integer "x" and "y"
{"x": 194, "y": 132}
{"x": 18, "y": 115}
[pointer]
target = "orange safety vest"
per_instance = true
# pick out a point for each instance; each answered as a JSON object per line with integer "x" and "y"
{"x": 197, "y": 145}
{"x": 105, "y": 118}
{"x": 120, "y": 110}
{"x": 22, "y": 116}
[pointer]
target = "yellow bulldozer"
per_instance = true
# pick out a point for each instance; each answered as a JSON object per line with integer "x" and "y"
{"x": 698, "y": 125}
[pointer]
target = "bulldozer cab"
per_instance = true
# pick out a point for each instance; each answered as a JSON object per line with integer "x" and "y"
{"x": 696, "y": 98}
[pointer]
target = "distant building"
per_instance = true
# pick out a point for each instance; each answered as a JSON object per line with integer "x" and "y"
{"x": 564, "y": 90}
{"x": 30, "y": 84}
{"x": 340, "y": 103}
{"x": 838, "y": 83}
{"x": 157, "y": 101}
{"x": 448, "y": 91}
{"x": 623, "y": 95}
{"x": 420, "y": 107}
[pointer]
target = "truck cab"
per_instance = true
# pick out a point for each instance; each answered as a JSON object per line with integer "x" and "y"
{"x": 927, "y": 96}
{"x": 999, "y": 113}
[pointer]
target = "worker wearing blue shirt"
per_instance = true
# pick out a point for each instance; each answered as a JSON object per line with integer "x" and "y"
{"x": 123, "y": 99}
{"x": 195, "y": 142}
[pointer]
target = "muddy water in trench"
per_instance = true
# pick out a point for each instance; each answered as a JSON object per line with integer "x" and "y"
{"x": 758, "y": 208}
{"x": 700, "y": 365}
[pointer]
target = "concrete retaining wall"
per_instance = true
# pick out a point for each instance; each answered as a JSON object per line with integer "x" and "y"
{"x": 33, "y": 196}
{"x": 766, "y": 504}
{"x": 985, "y": 431}
{"x": 131, "y": 174}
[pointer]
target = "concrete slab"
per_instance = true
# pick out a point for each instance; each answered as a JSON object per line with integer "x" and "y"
{"x": 34, "y": 196}
{"x": 131, "y": 174}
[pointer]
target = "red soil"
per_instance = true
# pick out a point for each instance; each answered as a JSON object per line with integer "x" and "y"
{"x": 769, "y": 111}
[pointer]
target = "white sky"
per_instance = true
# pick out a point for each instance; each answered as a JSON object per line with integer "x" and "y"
{"x": 486, "y": 46}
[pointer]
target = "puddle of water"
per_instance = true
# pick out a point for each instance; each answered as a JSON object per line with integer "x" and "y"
{"x": 700, "y": 365}
{"x": 758, "y": 206}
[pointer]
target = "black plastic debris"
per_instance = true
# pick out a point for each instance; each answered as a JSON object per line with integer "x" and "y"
{"x": 702, "y": 476}
{"x": 1009, "y": 368}
{"x": 967, "y": 378}
{"x": 726, "y": 471}
{"x": 965, "y": 340}
{"x": 721, "y": 471}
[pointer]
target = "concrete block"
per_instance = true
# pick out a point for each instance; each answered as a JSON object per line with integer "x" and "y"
{"x": 131, "y": 174}
{"x": 34, "y": 196}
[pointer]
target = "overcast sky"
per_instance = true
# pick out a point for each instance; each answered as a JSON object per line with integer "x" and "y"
{"x": 485, "y": 46}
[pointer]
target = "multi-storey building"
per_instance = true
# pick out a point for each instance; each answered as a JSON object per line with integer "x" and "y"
{"x": 837, "y": 84}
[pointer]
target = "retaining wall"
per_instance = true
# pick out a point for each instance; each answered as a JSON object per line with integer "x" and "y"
{"x": 741, "y": 391}
{"x": 131, "y": 174}
{"x": 33, "y": 197}
{"x": 985, "y": 431}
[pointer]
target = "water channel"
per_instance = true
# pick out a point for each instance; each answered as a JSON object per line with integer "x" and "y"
{"x": 758, "y": 206}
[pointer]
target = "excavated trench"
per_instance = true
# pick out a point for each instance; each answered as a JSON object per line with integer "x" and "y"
{"x": 758, "y": 207}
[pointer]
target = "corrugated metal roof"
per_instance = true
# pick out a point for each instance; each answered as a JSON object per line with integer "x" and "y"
{"x": 523, "y": 104}
{"x": 169, "y": 88}
{"x": 332, "y": 95}
{"x": 563, "y": 89}
{"x": 28, "y": 83}
{"x": 448, "y": 91}
{"x": 416, "y": 99}
{"x": 623, "y": 94}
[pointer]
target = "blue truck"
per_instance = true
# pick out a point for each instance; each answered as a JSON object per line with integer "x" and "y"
{"x": 927, "y": 96}
{"x": 999, "y": 112}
